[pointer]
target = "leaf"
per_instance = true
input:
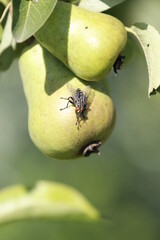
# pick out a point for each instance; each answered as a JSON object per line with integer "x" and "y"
{"x": 99, "y": 5}
{"x": 7, "y": 45}
{"x": 1, "y": 31}
{"x": 29, "y": 16}
{"x": 47, "y": 200}
{"x": 149, "y": 39}
{"x": 12, "y": 193}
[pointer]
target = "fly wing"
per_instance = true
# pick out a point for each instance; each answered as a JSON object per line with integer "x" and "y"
{"x": 89, "y": 94}
{"x": 71, "y": 90}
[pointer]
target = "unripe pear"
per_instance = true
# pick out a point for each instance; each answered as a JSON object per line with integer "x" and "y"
{"x": 86, "y": 42}
{"x": 53, "y": 131}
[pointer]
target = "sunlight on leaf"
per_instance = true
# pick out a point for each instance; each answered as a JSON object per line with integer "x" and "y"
{"x": 99, "y": 5}
{"x": 29, "y": 16}
{"x": 12, "y": 193}
{"x": 47, "y": 200}
{"x": 149, "y": 39}
{"x": 7, "y": 35}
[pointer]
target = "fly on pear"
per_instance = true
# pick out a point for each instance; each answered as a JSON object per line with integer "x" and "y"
{"x": 81, "y": 100}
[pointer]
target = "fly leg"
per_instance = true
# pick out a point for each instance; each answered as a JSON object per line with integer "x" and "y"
{"x": 77, "y": 116}
{"x": 70, "y": 100}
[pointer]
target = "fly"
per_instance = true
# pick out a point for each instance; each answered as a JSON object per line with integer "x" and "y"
{"x": 80, "y": 100}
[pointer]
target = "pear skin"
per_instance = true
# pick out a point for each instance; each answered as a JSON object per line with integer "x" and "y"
{"x": 53, "y": 131}
{"x": 86, "y": 42}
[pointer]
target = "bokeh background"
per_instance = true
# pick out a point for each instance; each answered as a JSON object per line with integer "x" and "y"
{"x": 123, "y": 182}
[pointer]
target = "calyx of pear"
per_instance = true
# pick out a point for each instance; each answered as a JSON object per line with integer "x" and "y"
{"x": 86, "y": 42}
{"x": 53, "y": 131}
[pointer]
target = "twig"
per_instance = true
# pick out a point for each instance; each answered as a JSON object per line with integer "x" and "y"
{"x": 5, "y": 11}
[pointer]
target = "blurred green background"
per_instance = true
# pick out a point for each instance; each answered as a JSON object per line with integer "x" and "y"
{"x": 123, "y": 182}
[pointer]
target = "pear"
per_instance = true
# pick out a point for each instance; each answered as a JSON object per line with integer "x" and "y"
{"x": 45, "y": 81}
{"x": 86, "y": 42}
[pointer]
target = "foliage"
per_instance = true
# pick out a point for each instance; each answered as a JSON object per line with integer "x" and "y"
{"x": 47, "y": 200}
{"x": 149, "y": 39}
{"x": 29, "y": 16}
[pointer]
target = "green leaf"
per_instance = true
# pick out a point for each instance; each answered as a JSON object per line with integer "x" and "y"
{"x": 149, "y": 39}
{"x": 7, "y": 45}
{"x": 1, "y": 31}
{"x": 29, "y": 16}
{"x": 12, "y": 193}
{"x": 47, "y": 200}
{"x": 99, "y": 5}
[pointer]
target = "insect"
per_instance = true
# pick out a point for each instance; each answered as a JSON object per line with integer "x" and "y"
{"x": 80, "y": 100}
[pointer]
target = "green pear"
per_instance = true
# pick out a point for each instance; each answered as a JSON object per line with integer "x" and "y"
{"x": 86, "y": 42}
{"x": 53, "y": 131}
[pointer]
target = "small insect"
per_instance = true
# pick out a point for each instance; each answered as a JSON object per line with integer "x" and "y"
{"x": 80, "y": 100}
{"x": 118, "y": 63}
